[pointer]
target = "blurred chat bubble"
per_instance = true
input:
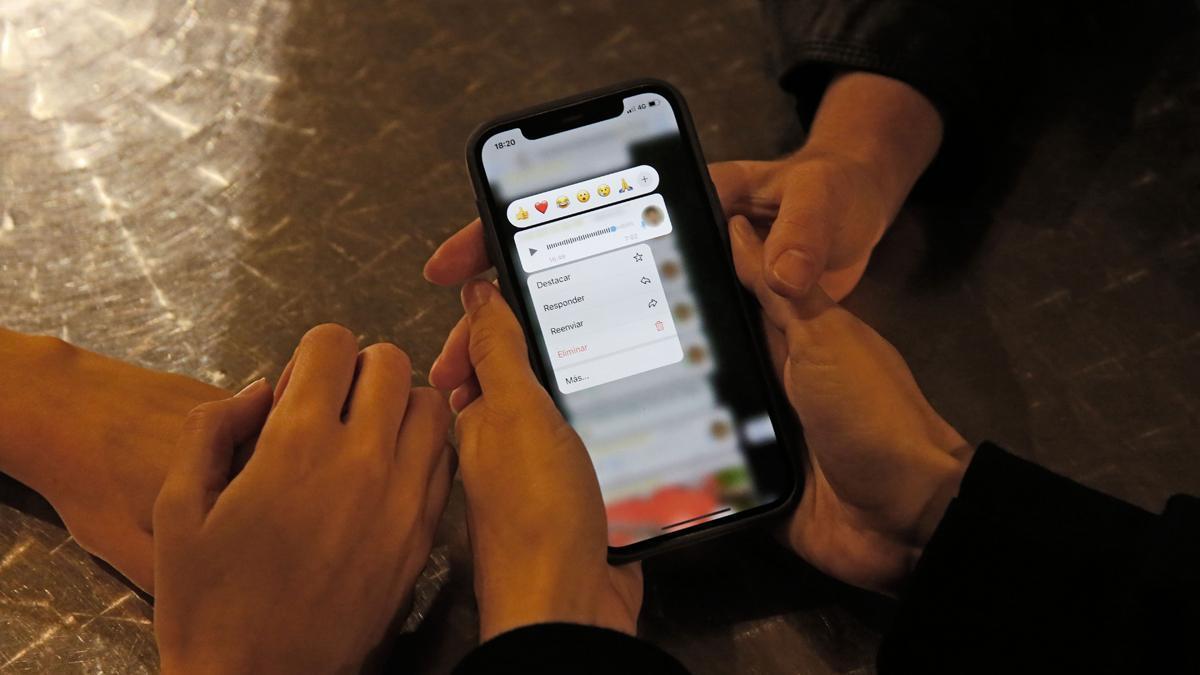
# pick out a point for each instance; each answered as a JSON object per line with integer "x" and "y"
{"x": 679, "y": 450}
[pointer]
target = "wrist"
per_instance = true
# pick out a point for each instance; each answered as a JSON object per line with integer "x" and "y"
{"x": 880, "y": 124}
{"x": 493, "y": 623}
{"x": 214, "y": 664}
{"x": 36, "y": 368}
{"x": 214, "y": 654}
{"x": 505, "y": 612}
{"x": 93, "y": 430}
{"x": 946, "y": 479}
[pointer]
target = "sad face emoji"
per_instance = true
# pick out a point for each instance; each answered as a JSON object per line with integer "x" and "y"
{"x": 583, "y": 196}
{"x": 603, "y": 190}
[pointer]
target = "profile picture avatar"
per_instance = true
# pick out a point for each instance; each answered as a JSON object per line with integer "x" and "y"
{"x": 652, "y": 216}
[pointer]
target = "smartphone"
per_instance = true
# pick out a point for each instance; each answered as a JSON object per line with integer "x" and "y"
{"x": 610, "y": 246}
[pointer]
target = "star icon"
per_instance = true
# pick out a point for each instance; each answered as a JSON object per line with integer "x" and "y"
{"x": 637, "y": 257}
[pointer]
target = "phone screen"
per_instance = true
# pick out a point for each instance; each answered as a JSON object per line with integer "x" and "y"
{"x": 616, "y": 257}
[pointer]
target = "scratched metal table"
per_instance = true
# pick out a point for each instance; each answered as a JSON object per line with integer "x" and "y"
{"x": 190, "y": 184}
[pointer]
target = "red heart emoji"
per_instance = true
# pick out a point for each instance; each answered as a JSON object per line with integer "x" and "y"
{"x": 542, "y": 206}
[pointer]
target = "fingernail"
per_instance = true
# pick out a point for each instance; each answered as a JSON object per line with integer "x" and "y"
{"x": 253, "y": 386}
{"x": 795, "y": 269}
{"x": 741, "y": 228}
{"x": 432, "y": 369}
{"x": 425, "y": 269}
{"x": 475, "y": 294}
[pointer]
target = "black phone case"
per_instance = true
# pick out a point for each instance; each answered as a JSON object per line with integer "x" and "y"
{"x": 789, "y": 436}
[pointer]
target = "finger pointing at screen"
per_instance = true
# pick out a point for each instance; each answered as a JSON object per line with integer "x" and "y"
{"x": 534, "y": 510}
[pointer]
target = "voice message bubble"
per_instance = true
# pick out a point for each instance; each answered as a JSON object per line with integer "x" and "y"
{"x": 604, "y": 318}
{"x": 593, "y": 193}
{"x": 592, "y": 233}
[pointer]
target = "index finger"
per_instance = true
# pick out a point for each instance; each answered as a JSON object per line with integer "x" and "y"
{"x": 462, "y": 256}
{"x": 778, "y": 310}
{"x": 319, "y": 382}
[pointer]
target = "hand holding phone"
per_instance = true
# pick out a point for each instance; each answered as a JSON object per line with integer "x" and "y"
{"x": 534, "y": 509}
{"x": 608, "y": 242}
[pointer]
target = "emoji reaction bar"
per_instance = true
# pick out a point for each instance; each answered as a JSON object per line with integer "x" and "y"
{"x": 583, "y": 196}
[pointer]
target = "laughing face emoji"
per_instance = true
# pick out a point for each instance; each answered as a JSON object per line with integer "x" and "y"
{"x": 562, "y": 202}
{"x": 603, "y": 190}
{"x": 583, "y": 196}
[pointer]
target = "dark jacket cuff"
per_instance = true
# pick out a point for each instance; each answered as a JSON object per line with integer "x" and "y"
{"x": 1029, "y": 568}
{"x": 567, "y": 648}
{"x": 963, "y": 55}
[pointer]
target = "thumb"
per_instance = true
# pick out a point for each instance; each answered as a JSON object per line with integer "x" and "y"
{"x": 780, "y": 311}
{"x": 496, "y": 344}
{"x": 797, "y": 246}
{"x": 209, "y": 438}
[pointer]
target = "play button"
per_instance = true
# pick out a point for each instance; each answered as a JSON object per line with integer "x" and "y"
{"x": 532, "y": 251}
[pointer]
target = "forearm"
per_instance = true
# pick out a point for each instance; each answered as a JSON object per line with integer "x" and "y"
{"x": 880, "y": 123}
{"x": 94, "y": 436}
{"x": 36, "y": 406}
{"x": 60, "y": 402}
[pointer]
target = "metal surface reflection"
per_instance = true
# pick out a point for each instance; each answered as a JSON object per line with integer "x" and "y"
{"x": 61, "y": 612}
{"x": 125, "y": 123}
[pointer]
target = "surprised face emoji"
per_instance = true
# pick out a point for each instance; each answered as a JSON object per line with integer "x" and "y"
{"x": 583, "y": 196}
{"x": 603, "y": 190}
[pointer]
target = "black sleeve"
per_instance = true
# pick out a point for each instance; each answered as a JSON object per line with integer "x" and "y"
{"x": 968, "y": 57}
{"x": 567, "y": 648}
{"x": 1031, "y": 572}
